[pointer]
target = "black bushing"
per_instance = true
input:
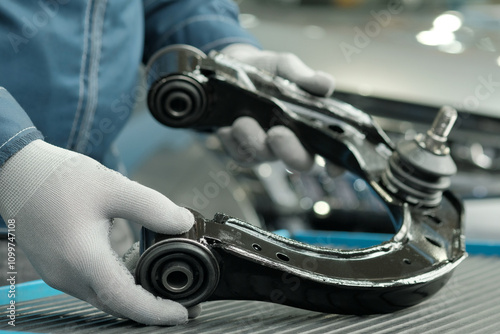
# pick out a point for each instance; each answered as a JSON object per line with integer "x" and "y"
{"x": 177, "y": 100}
{"x": 182, "y": 270}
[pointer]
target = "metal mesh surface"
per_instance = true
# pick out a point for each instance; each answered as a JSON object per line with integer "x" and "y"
{"x": 469, "y": 303}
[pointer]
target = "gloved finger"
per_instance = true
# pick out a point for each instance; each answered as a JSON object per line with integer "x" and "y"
{"x": 194, "y": 311}
{"x": 133, "y": 201}
{"x": 242, "y": 155}
{"x": 294, "y": 69}
{"x": 116, "y": 292}
{"x": 245, "y": 142}
{"x": 131, "y": 257}
{"x": 334, "y": 170}
{"x": 286, "y": 146}
{"x": 248, "y": 133}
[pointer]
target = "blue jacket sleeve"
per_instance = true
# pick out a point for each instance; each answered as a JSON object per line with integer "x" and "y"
{"x": 16, "y": 128}
{"x": 204, "y": 24}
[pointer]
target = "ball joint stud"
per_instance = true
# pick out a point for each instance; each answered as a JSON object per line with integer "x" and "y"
{"x": 419, "y": 169}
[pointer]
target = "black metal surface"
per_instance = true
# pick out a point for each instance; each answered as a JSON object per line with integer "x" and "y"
{"x": 469, "y": 303}
{"x": 331, "y": 128}
{"x": 335, "y": 130}
{"x": 258, "y": 265}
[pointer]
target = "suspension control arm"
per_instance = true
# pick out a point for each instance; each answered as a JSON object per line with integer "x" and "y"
{"x": 226, "y": 258}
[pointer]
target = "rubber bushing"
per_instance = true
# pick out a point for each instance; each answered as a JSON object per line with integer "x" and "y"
{"x": 191, "y": 259}
{"x": 177, "y": 100}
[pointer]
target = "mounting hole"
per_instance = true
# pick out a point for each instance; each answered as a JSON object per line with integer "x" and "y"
{"x": 434, "y": 219}
{"x": 432, "y": 241}
{"x": 336, "y": 128}
{"x": 407, "y": 261}
{"x": 282, "y": 257}
{"x": 178, "y": 104}
{"x": 256, "y": 247}
{"x": 177, "y": 278}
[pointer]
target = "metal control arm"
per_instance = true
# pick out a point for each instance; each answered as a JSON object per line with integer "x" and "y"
{"x": 225, "y": 258}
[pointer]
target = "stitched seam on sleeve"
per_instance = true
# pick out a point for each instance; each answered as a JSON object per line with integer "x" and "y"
{"x": 83, "y": 62}
{"x": 93, "y": 76}
{"x": 17, "y": 134}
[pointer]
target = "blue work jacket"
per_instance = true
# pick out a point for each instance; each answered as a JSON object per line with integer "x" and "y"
{"x": 73, "y": 65}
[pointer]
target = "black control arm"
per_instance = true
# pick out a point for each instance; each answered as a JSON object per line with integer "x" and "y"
{"x": 225, "y": 258}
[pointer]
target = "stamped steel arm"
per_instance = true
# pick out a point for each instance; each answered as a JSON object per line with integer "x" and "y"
{"x": 226, "y": 258}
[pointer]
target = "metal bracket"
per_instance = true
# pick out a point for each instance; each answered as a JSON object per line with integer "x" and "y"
{"x": 226, "y": 258}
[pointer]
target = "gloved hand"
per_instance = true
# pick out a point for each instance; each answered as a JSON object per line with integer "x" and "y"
{"x": 63, "y": 204}
{"x": 245, "y": 140}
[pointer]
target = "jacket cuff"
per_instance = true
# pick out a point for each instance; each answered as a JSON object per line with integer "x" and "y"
{"x": 16, "y": 128}
{"x": 18, "y": 142}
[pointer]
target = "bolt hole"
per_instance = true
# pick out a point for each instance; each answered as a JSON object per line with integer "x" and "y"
{"x": 178, "y": 105}
{"x": 434, "y": 219}
{"x": 177, "y": 280}
{"x": 336, "y": 128}
{"x": 434, "y": 242}
{"x": 407, "y": 261}
{"x": 282, "y": 257}
{"x": 177, "y": 277}
{"x": 257, "y": 247}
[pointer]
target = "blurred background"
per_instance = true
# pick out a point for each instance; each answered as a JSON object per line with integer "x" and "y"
{"x": 397, "y": 60}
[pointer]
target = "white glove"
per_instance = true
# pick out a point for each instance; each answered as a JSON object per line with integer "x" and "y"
{"x": 63, "y": 204}
{"x": 245, "y": 140}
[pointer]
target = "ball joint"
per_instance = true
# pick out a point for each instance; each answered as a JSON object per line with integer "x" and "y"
{"x": 419, "y": 170}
